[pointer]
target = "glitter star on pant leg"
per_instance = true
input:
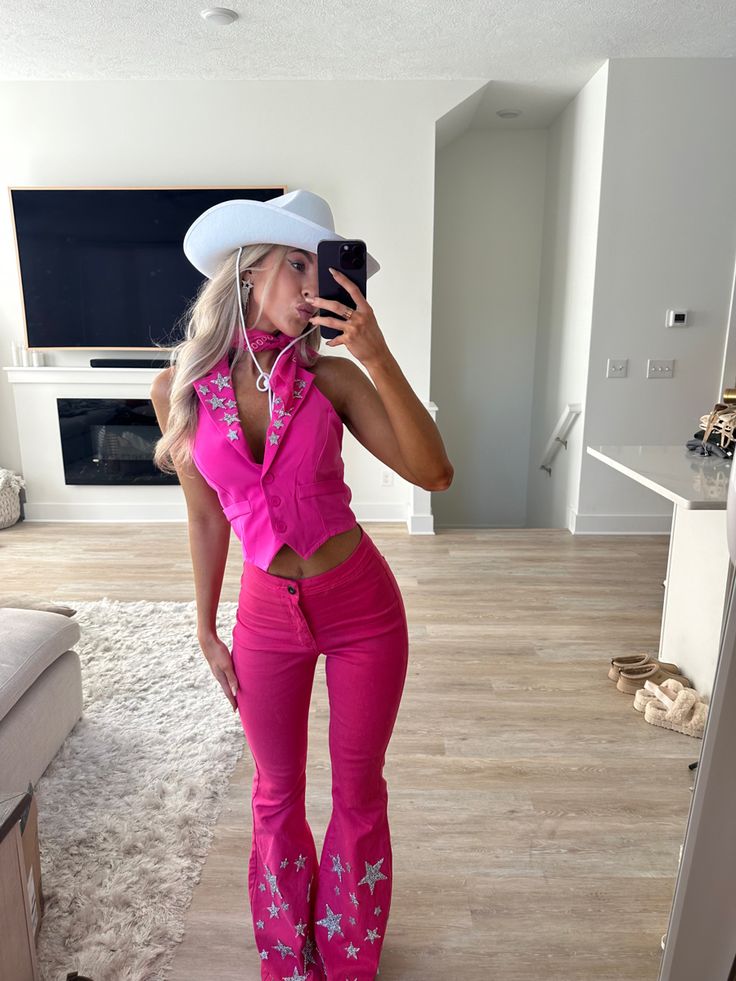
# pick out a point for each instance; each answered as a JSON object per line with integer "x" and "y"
{"x": 332, "y": 922}
{"x": 372, "y": 874}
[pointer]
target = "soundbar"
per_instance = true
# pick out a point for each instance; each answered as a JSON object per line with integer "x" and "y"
{"x": 129, "y": 363}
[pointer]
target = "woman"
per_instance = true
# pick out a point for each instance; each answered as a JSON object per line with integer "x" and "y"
{"x": 252, "y": 421}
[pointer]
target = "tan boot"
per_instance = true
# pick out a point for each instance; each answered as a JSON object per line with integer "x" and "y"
{"x": 632, "y": 679}
{"x": 636, "y": 661}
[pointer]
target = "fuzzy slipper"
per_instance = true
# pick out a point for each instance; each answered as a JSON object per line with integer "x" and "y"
{"x": 632, "y": 679}
{"x": 686, "y": 713}
{"x": 643, "y": 696}
{"x": 638, "y": 661}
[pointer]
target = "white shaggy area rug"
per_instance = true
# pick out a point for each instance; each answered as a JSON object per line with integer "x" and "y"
{"x": 127, "y": 807}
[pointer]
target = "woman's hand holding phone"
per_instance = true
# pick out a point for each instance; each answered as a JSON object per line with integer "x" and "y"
{"x": 360, "y": 334}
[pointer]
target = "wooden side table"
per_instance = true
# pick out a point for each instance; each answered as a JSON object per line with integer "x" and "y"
{"x": 18, "y": 961}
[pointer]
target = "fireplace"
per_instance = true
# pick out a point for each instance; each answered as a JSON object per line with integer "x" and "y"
{"x": 109, "y": 441}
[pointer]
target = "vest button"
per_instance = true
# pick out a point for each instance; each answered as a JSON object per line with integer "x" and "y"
{"x": 291, "y": 590}
{"x": 268, "y": 479}
{"x": 280, "y": 526}
{"x": 276, "y": 501}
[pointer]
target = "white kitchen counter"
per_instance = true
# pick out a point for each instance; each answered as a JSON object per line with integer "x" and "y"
{"x": 698, "y": 562}
{"x": 681, "y": 475}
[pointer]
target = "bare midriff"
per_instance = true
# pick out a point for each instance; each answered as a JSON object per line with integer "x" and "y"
{"x": 291, "y": 565}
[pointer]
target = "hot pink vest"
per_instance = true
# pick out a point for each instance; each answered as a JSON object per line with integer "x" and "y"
{"x": 297, "y": 497}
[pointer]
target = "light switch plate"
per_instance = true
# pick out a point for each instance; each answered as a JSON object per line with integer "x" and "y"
{"x": 660, "y": 369}
{"x": 617, "y": 368}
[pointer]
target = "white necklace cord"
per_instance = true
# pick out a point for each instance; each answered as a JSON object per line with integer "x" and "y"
{"x": 263, "y": 381}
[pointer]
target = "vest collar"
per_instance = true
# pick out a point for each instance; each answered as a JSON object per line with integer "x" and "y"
{"x": 217, "y": 396}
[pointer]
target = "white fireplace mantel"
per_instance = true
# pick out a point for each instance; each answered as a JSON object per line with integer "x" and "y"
{"x": 49, "y": 498}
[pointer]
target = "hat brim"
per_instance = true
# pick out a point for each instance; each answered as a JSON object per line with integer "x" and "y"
{"x": 220, "y": 230}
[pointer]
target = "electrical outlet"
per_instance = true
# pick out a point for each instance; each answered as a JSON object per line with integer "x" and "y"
{"x": 387, "y": 478}
{"x": 618, "y": 368}
{"x": 660, "y": 369}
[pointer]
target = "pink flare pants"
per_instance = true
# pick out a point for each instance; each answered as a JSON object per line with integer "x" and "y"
{"x": 320, "y": 919}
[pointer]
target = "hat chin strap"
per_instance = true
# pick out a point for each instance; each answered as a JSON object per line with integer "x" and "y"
{"x": 263, "y": 381}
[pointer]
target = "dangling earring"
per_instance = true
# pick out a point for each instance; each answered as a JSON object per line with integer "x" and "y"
{"x": 247, "y": 287}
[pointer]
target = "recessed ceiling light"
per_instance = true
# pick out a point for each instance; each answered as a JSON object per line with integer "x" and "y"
{"x": 218, "y": 15}
{"x": 508, "y": 113}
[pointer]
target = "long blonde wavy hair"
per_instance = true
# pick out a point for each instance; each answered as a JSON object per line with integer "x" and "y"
{"x": 212, "y": 328}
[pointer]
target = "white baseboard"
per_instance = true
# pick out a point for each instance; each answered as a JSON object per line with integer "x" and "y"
{"x": 619, "y": 524}
{"x": 146, "y": 511}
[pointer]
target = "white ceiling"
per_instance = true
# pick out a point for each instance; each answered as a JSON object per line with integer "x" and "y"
{"x": 537, "y": 53}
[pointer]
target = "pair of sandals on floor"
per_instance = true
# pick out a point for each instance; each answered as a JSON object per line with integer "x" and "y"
{"x": 661, "y": 693}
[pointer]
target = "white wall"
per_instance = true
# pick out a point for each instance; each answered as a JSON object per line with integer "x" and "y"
{"x": 667, "y": 238}
{"x": 489, "y": 203}
{"x": 574, "y": 156}
{"x": 367, "y": 147}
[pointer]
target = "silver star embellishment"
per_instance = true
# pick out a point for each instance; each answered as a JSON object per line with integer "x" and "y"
{"x": 230, "y": 404}
{"x": 264, "y": 955}
{"x": 284, "y": 863}
{"x": 222, "y": 381}
{"x": 332, "y": 922}
{"x": 354, "y": 899}
{"x": 284, "y": 950}
{"x": 296, "y": 976}
{"x": 278, "y": 423}
{"x": 230, "y": 418}
{"x": 216, "y": 402}
{"x": 204, "y": 389}
{"x": 337, "y": 890}
{"x": 284, "y": 905}
{"x": 300, "y": 927}
{"x": 262, "y": 886}
{"x": 372, "y": 935}
{"x": 273, "y": 909}
{"x": 273, "y": 439}
{"x": 351, "y": 919}
{"x": 337, "y": 866}
{"x": 231, "y": 434}
{"x": 260, "y": 924}
{"x": 352, "y": 951}
{"x": 372, "y": 875}
{"x": 300, "y": 861}
{"x": 377, "y": 911}
{"x": 271, "y": 880}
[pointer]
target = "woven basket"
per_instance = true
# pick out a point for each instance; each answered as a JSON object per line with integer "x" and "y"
{"x": 10, "y": 485}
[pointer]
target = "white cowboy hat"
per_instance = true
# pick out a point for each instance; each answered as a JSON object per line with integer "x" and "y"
{"x": 300, "y": 219}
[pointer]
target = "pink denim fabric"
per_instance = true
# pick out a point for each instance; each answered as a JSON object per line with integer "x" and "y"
{"x": 317, "y": 919}
{"x": 298, "y": 496}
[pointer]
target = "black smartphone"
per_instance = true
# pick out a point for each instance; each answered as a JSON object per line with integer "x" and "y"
{"x": 349, "y": 258}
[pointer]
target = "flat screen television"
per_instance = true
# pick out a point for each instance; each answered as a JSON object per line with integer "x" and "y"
{"x": 103, "y": 268}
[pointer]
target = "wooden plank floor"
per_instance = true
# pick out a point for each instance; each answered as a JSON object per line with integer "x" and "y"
{"x": 536, "y": 818}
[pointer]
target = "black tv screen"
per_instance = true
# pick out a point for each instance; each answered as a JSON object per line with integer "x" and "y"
{"x": 104, "y": 268}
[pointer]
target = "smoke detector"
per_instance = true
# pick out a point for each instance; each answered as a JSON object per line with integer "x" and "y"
{"x": 508, "y": 113}
{"x": 218, "y": 15}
